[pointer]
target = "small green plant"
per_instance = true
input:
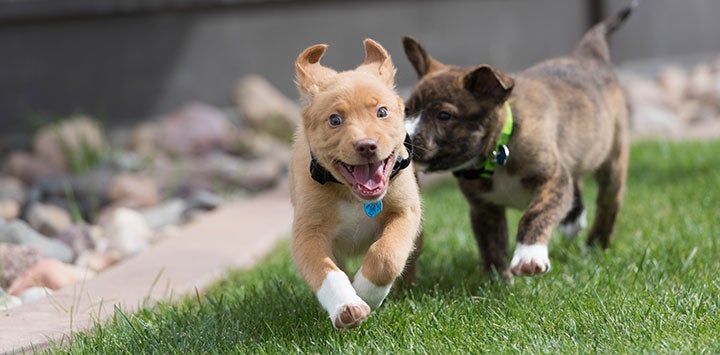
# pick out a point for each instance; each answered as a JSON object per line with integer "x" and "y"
{"x": 83, "y": 143}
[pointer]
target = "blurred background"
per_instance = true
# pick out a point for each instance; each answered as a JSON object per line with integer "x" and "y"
{"x": 124, "y": 61}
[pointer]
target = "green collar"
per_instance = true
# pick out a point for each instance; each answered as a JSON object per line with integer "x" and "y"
{"x": 499, "y": 156}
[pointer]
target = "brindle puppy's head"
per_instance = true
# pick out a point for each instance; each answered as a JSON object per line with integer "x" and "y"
{"x": 353, "y": 120}
{"x": 453, "y": 113}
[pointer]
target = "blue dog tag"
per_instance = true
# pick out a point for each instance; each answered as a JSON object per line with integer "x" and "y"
{"x": 502, "y": 154}
{"x": 373, "y": 208}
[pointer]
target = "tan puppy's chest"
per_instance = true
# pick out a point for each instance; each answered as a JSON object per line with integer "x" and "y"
{"x": 355, "y": 231}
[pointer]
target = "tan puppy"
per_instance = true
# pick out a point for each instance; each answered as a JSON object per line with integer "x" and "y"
{"x": 352, "y": 184}
{"x": 525, "y": 141}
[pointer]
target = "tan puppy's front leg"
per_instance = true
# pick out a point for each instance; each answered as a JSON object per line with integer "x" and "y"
{"x": 386, "y": 259}
{"x": 311, "y": 250}
{"x": 551, "y": 200}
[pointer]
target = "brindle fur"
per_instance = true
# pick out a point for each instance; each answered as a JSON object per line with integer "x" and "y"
{"x": 570, "y": 120}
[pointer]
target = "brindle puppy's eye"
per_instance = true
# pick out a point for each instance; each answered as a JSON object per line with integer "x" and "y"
{"x": 382, "y": 112}
{"x": 444, "y": 115}
{"x": 335, "y": 120}
{"x": 407, "y": 112}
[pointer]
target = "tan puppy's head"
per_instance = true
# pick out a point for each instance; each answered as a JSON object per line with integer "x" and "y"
{"x": 453, "y": 112}
{"x": 353, "y": 120}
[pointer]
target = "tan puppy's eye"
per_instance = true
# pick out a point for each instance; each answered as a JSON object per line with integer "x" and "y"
{"x": 335, "y": 120}
{"x": 382, "y": 112}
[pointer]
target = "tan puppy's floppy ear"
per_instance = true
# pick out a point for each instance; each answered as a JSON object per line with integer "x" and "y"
{"x": 308, "y": 70}
{"x": 377, "y": 62}
{"x": 420, "y": 60}
{"x": 484, "y": 82}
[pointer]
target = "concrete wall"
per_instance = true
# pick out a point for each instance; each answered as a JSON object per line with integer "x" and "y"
{"x": 668, "y": 28}
{"x": 130, "y": 67}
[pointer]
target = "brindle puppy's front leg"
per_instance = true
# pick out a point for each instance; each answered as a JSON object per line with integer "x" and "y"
{"x": 491, "y": 233}
{"x": 552, "y": 199}
{"x": 386, "y": 258}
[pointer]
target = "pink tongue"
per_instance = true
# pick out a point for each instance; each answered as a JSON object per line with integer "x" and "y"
{"x": 369, "y": 176}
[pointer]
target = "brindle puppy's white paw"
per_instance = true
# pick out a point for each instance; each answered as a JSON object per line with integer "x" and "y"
{"x": 350, "y": 315}
{"x": 572, "y": 229}
{"x": 530, "y": 260}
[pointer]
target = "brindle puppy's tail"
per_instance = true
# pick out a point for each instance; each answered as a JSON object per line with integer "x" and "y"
{"x": 594, "y": 43}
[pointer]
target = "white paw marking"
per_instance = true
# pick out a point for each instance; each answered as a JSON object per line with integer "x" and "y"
{"x": 530, "y": 259}
{"x": 411, "y": 124}
{"x": 572, "y": 230}
{"x": 336, "y": 294}
{"x": 368, "y": 291}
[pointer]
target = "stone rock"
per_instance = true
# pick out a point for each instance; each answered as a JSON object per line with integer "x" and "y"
{"x": 12, "y": 188}
{"x": 169, "y": 212}
{"x": 195, "y": 130}
{"x": 126, "y": 161}
{"x": 143, "y": 139}
{"x": 34, "y": 293}
{"x": 642, "y": 91}
{"x": 50, "y": 273}
{"x": 134, "y": 191}
{"x": 265, "y": 108}
{"x": 252, "y": 145}
{"x": 183, "y": 173}
{"x": 72, "y": 141}
{"x": 203, "y": 200}
{"x": 255, "y": 175}
{"x": 126, "y": 231}
{"x": 14, "y": 260}
{"x": 47, "y": 219}
{"x": 18, "y": 232}
{"x": 654, "y": 120}
{"x": 673, "y": 81}
{"x": 9, "y": 209}
{"x": 702, "y": 85}
{"x": 82, "y": 238}
{"x": 8, "y": 302}
{"x": 98, "y": 261}
{"x": 84, "y": 193}
{"x": 27, "y": 168}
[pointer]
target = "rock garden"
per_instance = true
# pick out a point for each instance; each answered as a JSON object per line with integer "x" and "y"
{"x": 78, "y": 198}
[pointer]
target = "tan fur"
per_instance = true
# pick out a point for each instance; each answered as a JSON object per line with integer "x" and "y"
{"x": 322, "y": 238}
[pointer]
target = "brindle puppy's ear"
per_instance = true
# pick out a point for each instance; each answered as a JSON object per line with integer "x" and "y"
{"x": 309, "y": 72}
{"x": 377, "y": 62}
{"x": 486, "y": 82}
{"x": 420, "y": 60}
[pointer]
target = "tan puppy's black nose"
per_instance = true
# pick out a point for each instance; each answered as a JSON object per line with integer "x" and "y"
{"x": 366, "y": 147}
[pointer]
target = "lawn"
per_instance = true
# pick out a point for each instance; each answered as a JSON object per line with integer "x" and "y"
{"x": 656, "y": 290}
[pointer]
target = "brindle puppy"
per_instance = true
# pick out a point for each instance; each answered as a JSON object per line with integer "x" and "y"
{"x": 570, "y": 120}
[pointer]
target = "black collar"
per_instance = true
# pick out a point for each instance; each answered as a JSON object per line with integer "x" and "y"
{"x": 321, "y": 175}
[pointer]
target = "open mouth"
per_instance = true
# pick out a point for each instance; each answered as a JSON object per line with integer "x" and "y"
{"x": 369, "y": 181}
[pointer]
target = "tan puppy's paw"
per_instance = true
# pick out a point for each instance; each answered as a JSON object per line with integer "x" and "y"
{"x": 351, "y": 315}
{"x": 368, "y": 291}
{"x": 530, "y": 260}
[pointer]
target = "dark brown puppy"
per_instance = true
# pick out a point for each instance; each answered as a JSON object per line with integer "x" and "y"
{"x": 570, "y": 120}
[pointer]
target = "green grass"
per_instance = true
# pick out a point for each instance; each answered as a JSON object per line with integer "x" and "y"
{"x": 656, "y": 290}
